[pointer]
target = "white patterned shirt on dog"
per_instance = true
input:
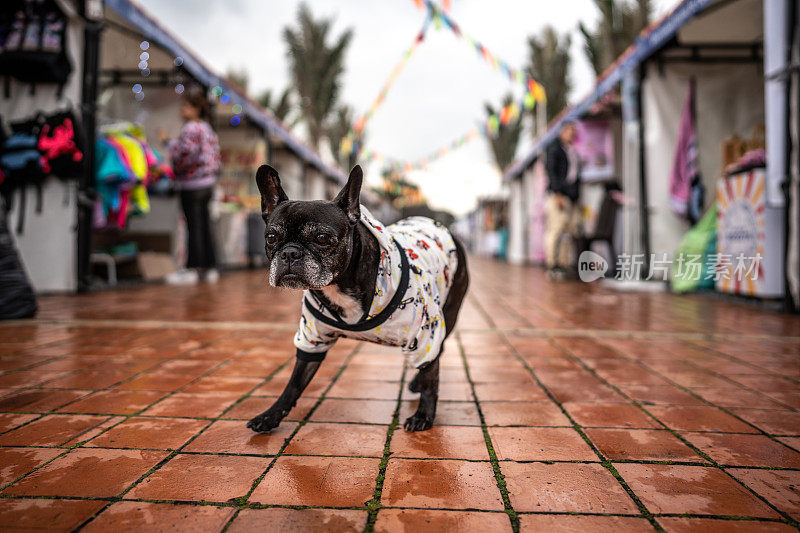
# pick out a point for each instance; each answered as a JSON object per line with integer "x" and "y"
{"x": 413, "y": 320}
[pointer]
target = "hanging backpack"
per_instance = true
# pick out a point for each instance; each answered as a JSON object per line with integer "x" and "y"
{"x": 34, "y": 47}
{"x": 61, "y": 145}
{"x": 23, "y": 164}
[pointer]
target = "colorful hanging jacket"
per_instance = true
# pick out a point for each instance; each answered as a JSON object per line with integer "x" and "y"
{"x": 417, "y": 264}
{"x": 195, "y": 156}
{"x": 125, "y": 166}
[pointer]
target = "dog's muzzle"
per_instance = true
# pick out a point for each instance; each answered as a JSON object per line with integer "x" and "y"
{"x": 289, "y": 269}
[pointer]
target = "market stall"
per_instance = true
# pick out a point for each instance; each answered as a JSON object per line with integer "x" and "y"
{"x": 740, "y": 104}
{"x": 43, "y": 214}
{"x": 724, "y": 61}
{"x": 144, "y": 71}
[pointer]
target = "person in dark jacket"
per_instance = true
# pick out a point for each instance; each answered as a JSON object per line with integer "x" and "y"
{"x": 562, "y": 209}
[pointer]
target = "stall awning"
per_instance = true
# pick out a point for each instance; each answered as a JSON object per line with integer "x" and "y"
{"x": 646, "y": 44}
{"x": 152, "y": 31}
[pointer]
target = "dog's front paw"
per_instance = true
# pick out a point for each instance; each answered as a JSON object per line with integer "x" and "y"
{"x": 265, "y": 422}
{"x": 418, "y": 422}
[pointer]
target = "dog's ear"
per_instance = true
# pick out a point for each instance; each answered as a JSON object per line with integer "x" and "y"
{"x": 349, "y": 197}
{"x": 269, "y": 185}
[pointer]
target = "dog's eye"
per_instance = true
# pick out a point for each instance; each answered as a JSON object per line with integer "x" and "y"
{"x": 272, "y": 238}
{"x": 323, "y": 239}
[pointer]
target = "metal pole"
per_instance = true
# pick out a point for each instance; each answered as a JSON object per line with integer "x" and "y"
{"x": 644, "y": 217}
{"x": 86, "y": 192}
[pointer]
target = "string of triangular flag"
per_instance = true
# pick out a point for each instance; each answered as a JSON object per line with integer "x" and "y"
{"x": 350, "y": 143}
{"x": 533, "y": 93}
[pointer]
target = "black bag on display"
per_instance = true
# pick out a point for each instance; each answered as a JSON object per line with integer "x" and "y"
{"x": 17, "y": 299}
{"x": 33, "y": 43}
{"x": 23, "y": 165}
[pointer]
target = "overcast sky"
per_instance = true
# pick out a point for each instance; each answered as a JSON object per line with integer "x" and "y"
{"x": 438, "y": 97}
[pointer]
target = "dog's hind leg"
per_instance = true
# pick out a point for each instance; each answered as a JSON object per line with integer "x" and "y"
{"x": 452, "y": 305}
{"x": 301, "y": 376}
{"x": 428, "y": 381}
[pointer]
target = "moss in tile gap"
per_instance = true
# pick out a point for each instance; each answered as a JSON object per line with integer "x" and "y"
{"x": 642, "y": 509}
{"x": 500, "y": 479}
{"x": 704, "y": 455}
{"x": 239, "y": 501}
{"x": 50, "y": 497}
{"x": 374, "y": 504}
{"x": 300, "y": 424}
{"x": 604, "y": 461}
{"x": 230, "y": 520}
{"x": 714, "y": 464}
{"x": 730, "y": 518}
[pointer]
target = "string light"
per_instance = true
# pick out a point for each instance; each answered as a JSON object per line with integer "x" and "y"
{"x": 144, "y": 45}
{"x": 179, "y": 88}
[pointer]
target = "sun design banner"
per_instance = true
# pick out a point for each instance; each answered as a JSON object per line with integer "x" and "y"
{"x": 741, "y": 236}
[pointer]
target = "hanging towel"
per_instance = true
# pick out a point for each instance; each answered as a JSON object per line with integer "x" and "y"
{"x": 684, "y": 166}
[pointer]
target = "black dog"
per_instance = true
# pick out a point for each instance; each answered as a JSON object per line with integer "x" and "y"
{"x": 358, "y": 275}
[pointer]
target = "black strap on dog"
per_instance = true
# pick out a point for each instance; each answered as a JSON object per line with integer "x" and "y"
{"x": 380, "y": 318}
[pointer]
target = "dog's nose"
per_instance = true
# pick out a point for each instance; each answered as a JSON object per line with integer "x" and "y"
{"x": 291, "y": 254}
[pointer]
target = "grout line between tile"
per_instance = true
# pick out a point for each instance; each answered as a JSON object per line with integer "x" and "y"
{"x": 675, "y": 433}
{"x": 374, "y": 505}
{"x": 498, "y": 474}
{"x": 241, "y": 501}
{"x": 603, "y": 460}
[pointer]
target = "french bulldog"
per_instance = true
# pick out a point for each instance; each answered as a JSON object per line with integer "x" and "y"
{"x": 401, "y": 285}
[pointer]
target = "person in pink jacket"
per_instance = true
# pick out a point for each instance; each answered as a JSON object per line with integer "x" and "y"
{"x": 196, "y": 161}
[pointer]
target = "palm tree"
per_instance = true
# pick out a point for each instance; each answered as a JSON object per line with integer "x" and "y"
{"x": 316, "y": 67}
{"x": 548, "y": 64}
{"x": 281, "y": 108}
{"x": 620, "y": 22}
{"x": 504, "y": 143}
{"x": 239, "y": 76}
{"x": 339, "y": 127}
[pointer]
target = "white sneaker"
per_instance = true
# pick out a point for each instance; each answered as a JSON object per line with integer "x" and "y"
{"x": 211, "y": 276}
{"x": 182, "y": 277}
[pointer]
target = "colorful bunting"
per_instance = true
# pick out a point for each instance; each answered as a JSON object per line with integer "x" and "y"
{"x": 513, "y": 74}
{"x": 534, "y": 94}
{"x": 349, "y": 143}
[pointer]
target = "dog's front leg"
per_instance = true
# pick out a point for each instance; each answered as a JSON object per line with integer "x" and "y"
{"x": 426, "y": 383}
{"x": 301, "y": 376}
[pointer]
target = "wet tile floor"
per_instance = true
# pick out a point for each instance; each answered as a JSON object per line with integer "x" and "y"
{"x": 565, "y": 407}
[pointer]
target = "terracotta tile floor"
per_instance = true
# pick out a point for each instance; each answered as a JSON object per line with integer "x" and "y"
{"x": 564, "y": 407}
